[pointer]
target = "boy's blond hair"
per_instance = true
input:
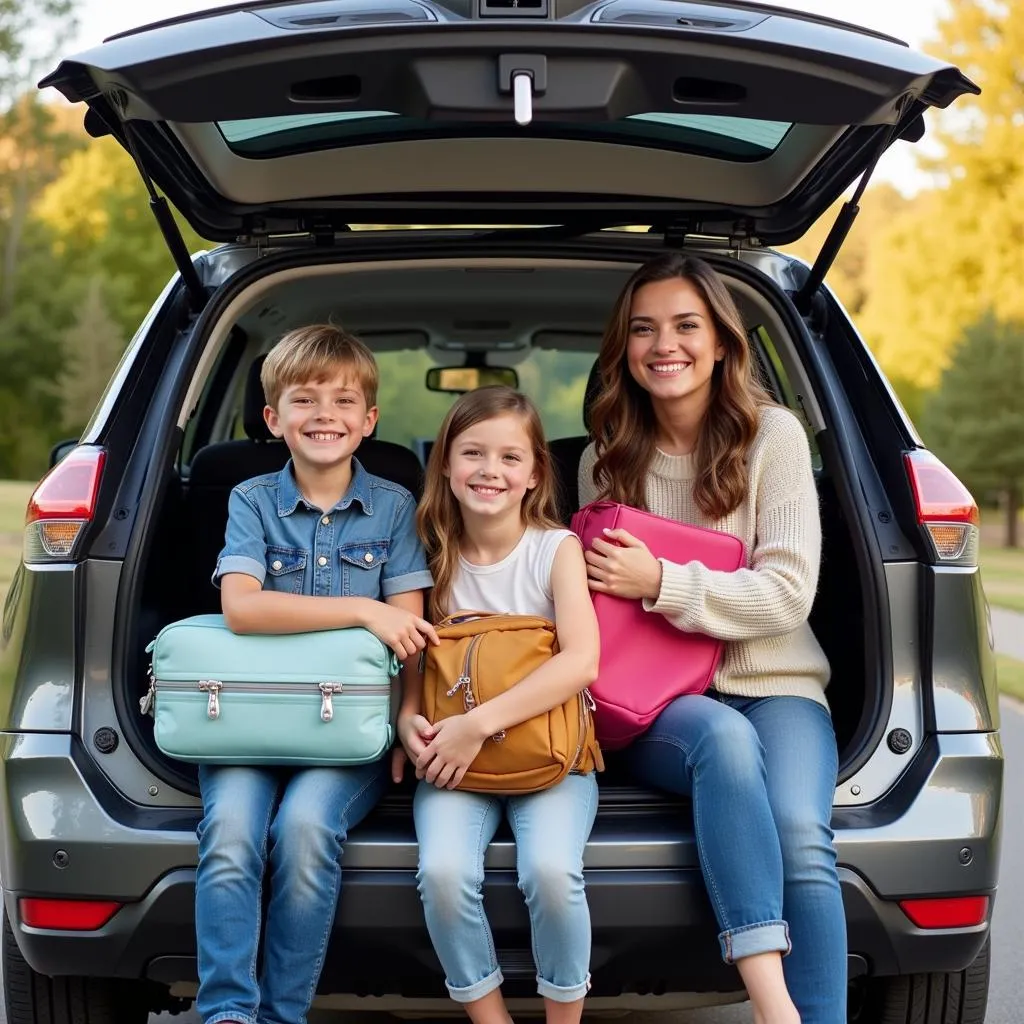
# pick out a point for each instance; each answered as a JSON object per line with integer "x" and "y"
{"x": 314, "y": 353}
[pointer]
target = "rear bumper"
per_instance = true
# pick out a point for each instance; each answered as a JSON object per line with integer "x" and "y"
{"x": 653, "y": 934}
{"x": 654, "y": 931}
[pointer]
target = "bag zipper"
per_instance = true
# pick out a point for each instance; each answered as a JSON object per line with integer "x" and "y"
{"x": 465, "y": 683}
{"x": 213, "y": 688}
{"x": 586, "y": 705}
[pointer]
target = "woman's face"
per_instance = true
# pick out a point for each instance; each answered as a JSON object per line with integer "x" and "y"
{"x": 673, "y": 345}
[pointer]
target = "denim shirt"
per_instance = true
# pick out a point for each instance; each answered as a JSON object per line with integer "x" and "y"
{"x": 366, "y": 546}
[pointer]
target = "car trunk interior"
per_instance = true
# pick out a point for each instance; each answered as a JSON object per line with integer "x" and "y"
{"x": 542, "y": 317}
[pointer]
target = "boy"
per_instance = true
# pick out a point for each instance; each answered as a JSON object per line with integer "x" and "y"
{"x": 320, "y": 545}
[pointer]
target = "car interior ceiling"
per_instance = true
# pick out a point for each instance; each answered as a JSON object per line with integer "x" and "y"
{"x": 455, "y": 312}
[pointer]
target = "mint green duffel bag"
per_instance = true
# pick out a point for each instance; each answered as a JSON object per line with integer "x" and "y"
{"x": 299, "y": 699}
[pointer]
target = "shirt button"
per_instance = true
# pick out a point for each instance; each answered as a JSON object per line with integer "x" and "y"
{"x": 368, "y": 557}
{"x": 321, "y": 560}
{"x": 276, "y": 564}
{"x": 326, "y": 520}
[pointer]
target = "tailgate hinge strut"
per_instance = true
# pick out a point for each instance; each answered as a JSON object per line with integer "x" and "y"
{"x": 169, "y": 229}
{"x": 844, "y": 222}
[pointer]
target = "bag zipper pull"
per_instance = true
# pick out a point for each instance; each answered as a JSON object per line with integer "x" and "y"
{"x": 147, "y": 700}
{"x": 327, "y": 691}
{"x": 213, "y": 688}
{"x": 462, "y": 681}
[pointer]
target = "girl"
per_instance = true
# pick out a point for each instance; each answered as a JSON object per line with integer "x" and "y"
{"x": 683, "y": 430}
{"x": 487, "y": 521}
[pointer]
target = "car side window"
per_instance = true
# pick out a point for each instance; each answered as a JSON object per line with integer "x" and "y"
{"x": 773, "y": 375}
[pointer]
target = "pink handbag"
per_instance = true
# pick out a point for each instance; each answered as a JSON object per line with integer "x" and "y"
{"x": 645, "y": 661}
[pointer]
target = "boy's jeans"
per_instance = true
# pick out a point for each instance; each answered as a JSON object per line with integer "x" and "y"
{"x": 296, "y": 820}
{"x": 551, "y": 829}
{"x": 761, "y": 774}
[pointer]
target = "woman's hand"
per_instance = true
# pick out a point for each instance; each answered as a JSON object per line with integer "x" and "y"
{"x": 447, "y": 757}
{"x": 623, "y": 566}
{"x": 414, "y": 732}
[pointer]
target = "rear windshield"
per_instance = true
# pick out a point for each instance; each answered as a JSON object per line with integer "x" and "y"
{"x": 728, "y": 138}
{"x": 410, "y": 414}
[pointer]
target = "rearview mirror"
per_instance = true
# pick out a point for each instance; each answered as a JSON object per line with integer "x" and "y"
{"x": 468, "y": 378}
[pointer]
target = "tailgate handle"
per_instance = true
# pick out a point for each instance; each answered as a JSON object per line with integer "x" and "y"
{"x": 524, "y": 75}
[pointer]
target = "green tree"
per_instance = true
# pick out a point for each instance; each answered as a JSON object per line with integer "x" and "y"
{"x": 34, "y": 297}
{"x": 975, "y": 421}
{"x": 30, "y": 147}
{"x": 92, "y": 347}
{"x": 98, "y": 209}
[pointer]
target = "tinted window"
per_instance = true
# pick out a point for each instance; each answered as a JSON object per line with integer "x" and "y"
{"x": 731, "y": 138}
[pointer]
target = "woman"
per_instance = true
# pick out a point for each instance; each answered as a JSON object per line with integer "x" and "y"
{"x": 683, "y": 430}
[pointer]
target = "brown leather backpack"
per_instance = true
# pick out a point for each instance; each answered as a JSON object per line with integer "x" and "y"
{"x": 483, "y": 654}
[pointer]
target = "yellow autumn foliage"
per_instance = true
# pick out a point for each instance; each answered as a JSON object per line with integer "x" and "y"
{"x": 957, "y": 252}
{"x": 75, "y": 205}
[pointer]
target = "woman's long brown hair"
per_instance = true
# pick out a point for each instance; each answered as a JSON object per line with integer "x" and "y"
{"x": 622, "y": 417}
{"x": 439, "y": 517}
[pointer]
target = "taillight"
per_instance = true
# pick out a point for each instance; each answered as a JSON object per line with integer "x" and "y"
{"x": 945, "y": 509}
{"x": 67, "y": 915}
{"x": 946, "y": 912}
{"x": 62, "y": 504}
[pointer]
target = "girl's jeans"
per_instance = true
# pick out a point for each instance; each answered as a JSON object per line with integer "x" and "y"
{"x": 296, "y": 821}
{"x": 761, "y": 774}
{"x": 551, "y": 829}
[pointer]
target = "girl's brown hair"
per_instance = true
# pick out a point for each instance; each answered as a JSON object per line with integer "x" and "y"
{"x": 622, "y": 417}
{"x": 438, "y": 516}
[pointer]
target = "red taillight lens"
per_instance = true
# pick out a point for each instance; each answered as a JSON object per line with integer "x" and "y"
{"x": 949, "y": 912}
{"x": 945, "y": 508}
{"x": 62, "y": 503}
{"x": 67, "y": 915}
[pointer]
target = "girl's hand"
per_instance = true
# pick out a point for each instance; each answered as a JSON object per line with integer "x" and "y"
{"x": 623, "y": 566}
{"x": 447, "y": 757}
{"x": 414, "y": 732}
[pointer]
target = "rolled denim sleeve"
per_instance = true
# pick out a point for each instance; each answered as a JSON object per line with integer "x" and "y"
{"x": 245, "y": 542}
{"x": 406, "y": 567}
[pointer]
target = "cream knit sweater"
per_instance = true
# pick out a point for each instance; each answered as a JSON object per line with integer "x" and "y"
{"x": 762, "y": 609}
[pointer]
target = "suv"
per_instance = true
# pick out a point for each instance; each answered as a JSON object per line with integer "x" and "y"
{"x": 571, "y": 140}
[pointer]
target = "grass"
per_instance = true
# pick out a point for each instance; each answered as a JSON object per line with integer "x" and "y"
{"x": 1010, "y": 673}
{"x": 1002, "y": 572}
{"x": 14, "y": 497}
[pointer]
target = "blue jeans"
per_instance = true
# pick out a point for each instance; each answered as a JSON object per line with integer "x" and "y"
{"x": 296, "y": 820}
{"x": 761, "y": 774}
{"x": 551, "y": 829}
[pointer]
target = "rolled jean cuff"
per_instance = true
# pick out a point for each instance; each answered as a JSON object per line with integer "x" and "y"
{"x": 235, "y": 1015}
{"x": 751, "y": 939}
{"x": 471, "y": 993}
{"x": 558, "y": 994}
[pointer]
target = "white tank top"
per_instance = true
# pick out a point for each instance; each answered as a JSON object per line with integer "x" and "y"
{"x": 519, "y": 584}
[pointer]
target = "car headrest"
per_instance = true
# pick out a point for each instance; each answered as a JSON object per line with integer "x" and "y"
{"x": 592, "y": 391}
{"x": 253, "y": 403}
